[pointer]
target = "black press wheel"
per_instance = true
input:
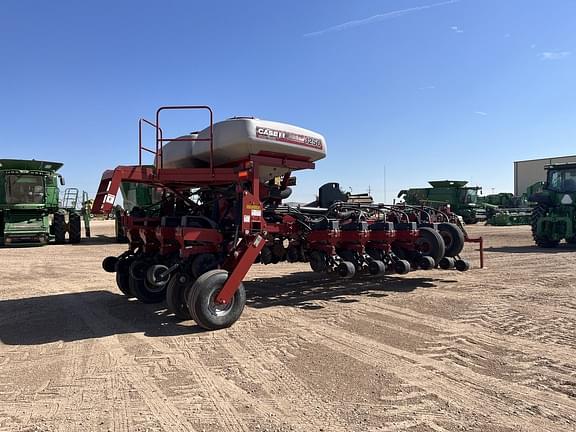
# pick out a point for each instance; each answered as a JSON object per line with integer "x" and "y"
{"x": 453, "y": 238}
{"x": 141, "y": 287}
{"x": 430, "y": 243}
{"x": 123, "y": 276}
{"x": 59, "y": 228}
{"x": 402, "y": 267}
{"x": 74, "y": 228}
{"x": 202, "y": 301}
{"x": 176, "y": 296}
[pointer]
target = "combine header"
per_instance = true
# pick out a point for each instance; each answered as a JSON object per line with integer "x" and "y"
{"x": 221, "y": 210}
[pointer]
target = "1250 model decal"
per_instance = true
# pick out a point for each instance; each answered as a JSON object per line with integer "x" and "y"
{"x": 288, "y": 137}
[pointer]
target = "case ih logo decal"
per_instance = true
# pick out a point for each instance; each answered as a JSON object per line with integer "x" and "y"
{"x": 288, "y": 137}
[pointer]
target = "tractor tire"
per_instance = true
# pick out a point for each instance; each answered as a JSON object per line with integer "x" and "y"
{"x": 74, "y": 228}
{"x": 203, "y": 307}
{"x": 123, "y": 276}
{"x": 59, "y": 228}
{"x": 176, "y": 296}
{"x": 453, "y": 238}
{"x": 430, "y": 243}
{"x": 541, "y": 241}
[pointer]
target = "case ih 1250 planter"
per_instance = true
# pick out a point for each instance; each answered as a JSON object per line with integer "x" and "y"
{"x": 222, "y": 210}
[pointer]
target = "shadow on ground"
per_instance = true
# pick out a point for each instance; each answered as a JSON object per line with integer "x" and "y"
{"x": 303, "y": 289}
{"x": 96, "y": 314}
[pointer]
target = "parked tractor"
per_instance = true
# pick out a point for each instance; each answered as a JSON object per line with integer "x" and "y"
{"x": 554, "y": 217}
{"x": 462, "y": 199}
{"x": 219, "y": 206}
{"x": 31, "y": 212}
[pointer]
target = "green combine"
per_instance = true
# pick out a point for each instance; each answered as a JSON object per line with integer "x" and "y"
{"x": 554, "y": 217}
{"x": 30, "y": 209}
{"x": 463, "y": 200}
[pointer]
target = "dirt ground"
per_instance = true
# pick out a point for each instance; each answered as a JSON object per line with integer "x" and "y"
{"x": 487, "y": 350}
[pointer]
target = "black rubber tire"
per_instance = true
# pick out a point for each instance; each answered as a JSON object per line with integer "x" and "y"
{"x": 203, "y": 308}
{"x": 155, "y": 275}
{"x": 176, "y": 295}
{"x": 376, "y": 267}
{"x": 74, "y": 228}
{"x": 430, "y": 243}
{"x": 462, "y": 265}
{"x": 146, "y": 292}
{"x": 447, "y": 263}
{"x": 346, "y": 270}
{"x": 402, "y": 267}
{"x": 426, "y": 263}
{"x": 123, "y": 276}
{"x": 138, "y": 269}
{"x": 453, "y": 238}
{"x": 109, "y": 264}
{"x": 543, "y": 242}
{"x": 59, "y": 228}
{"x": 318, "y": 262}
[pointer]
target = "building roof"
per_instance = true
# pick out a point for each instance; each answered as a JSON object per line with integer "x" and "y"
{"x": 546, "y": 158}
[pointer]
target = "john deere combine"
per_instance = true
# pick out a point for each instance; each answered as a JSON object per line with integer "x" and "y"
{"x": 30, "y": 209}
{"x": 554, "y": 216}
{"x": 463, "y": 200}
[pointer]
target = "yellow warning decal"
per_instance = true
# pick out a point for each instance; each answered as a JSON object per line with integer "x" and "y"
{"x": 253, "y": 207}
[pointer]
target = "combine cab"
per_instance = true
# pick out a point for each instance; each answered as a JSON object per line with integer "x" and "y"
{"x": 553, "y": 219}
{"x": 217, "y": 206}
{"x": 463, "y": 200}
{"x": 30, "y": 210}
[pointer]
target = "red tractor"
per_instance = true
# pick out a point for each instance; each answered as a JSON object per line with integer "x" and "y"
{"x": 221, "y": 210}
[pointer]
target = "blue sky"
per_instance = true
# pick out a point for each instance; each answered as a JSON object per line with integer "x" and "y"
{"x": 416, "y": 89}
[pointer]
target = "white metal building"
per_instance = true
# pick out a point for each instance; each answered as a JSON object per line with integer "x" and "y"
{"x": 528, "y": 172}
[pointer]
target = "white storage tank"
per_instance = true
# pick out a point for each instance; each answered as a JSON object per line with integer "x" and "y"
{"x": 237, "y": 138}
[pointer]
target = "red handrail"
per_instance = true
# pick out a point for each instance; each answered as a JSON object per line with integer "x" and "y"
{"x": 160, "y": 140}
{"x": 140, "y": 146}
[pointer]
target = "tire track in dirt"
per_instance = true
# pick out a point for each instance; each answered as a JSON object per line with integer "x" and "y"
{"x": 282, "y": 386}
{"x": 162, "y": 410}
{"x": 443, "y": 380}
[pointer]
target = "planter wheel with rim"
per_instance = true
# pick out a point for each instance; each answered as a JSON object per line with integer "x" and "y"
{"x": 141, "y": 287}
{"x": 176, "y": 294}
{"x": 202, "y": 301}
{"x": 430, "y": 243}
{"x": 453, "y": 238}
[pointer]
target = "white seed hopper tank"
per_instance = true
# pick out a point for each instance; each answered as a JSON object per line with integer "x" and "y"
{"x": 237, "y": 138}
